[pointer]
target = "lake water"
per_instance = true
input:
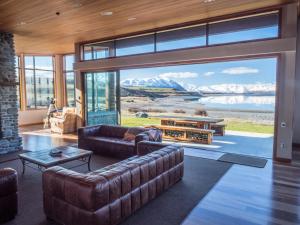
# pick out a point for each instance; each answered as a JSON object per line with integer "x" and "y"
{"x": 239, "y": 102}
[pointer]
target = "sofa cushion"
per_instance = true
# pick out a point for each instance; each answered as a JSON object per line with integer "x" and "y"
{"x": 111, "y": 140}
{"x": 132, "y": 132}
{"x": 154, "y": 135}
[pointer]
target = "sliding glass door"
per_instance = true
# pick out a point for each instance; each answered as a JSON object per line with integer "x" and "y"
{"x": 101, "y": 98}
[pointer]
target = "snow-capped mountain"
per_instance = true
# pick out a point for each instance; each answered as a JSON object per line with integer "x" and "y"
{"x": 259, "y": 88}
{"x": 152, "y": 82}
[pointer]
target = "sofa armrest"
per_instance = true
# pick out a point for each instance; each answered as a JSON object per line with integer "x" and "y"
{"x": 88, "y": 131}
{"x": 88, "y": 192}
{"x": 145, "y": 147}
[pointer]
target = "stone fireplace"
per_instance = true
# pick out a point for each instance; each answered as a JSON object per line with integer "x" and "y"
{"x": 9, "y": 134}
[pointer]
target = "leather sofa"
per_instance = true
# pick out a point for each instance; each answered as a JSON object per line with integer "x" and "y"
{"x": 109, "y": 195}
{"x": 109, "y": 140}
{"x": 8, "y": 194}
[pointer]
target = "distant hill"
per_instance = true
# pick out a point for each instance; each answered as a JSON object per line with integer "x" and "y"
{"x": 152, "y": 83}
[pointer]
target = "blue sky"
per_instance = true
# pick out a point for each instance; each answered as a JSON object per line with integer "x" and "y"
{"x": 237, "y": 72}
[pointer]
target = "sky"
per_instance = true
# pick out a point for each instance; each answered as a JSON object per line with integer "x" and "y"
{"x": 230, "y": 72}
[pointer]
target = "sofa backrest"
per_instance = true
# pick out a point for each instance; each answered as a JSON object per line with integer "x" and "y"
{"x": 117, "y": 131}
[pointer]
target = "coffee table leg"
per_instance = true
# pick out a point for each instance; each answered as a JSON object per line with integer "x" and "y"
{"x": 89, "y": 166}
{"x": 23, "y": 163}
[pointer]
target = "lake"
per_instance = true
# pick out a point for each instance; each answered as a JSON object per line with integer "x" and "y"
{"x": 239, "y": 102}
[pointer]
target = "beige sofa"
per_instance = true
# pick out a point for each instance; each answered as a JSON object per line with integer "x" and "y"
{"x": 64, "y": 122}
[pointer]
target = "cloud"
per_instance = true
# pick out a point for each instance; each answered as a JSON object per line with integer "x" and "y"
{"x": 178, "y": 75}
{"x": 240, "y": 70}
{"x": 209, "y": 73}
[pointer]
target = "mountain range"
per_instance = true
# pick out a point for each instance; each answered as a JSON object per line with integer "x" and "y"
{"x": 258, "y": 88}
{"x": 153, "y": 83}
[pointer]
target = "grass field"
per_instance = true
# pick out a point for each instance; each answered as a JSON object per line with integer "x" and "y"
{"x": 231, "y": 125}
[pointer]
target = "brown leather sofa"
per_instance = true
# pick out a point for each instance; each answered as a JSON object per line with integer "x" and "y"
{"x": 109, "y": 140}
{"x": 108, "y": 195}
{"x": 8, "y": 194}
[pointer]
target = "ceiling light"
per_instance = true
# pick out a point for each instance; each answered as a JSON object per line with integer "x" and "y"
{"x": 106, "y": 13}
{"x": 208, "y": 1}
{"x": 21, "y": 23}
{"x": 131, "y": 18}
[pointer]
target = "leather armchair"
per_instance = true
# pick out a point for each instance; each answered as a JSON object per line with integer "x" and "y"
{"x": 65, "y": 122}
{"x": 8, "y": 194}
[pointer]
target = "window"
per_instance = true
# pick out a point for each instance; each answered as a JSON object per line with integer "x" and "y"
{"x": 135, "y": 45}
{"x": 245, "y": 29}
{"x": 17, "y": 68}
{"x": 69, "y": 79}
{"x": 181, "y": 38}
{"x": 39, "y": 76}
{"x": 99, "y": 50}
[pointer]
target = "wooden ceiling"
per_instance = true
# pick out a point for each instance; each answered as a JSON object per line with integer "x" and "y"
{"x": 38, "y": 28}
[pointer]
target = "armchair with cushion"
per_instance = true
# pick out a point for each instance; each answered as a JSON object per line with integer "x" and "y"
{"x": 65, "y": 122}
{"x": 115, "y": 141}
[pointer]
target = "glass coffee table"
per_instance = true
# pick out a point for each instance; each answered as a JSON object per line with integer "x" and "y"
{"x": 42, "y": 159}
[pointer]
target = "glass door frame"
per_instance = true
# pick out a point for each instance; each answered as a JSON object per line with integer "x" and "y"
{"x": 117, "y": 92}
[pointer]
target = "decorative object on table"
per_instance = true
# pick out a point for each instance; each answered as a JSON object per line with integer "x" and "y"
{"x": 55, "y": 152}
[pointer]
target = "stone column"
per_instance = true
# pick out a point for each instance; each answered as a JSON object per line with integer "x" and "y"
{"x": 9, "y": 134}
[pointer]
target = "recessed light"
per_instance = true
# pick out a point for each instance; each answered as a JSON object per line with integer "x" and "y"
{"x": 21, "y": 23}
{"x": 208, "y": 1}
{"x": 106, "y": 13}
{"x": 131, "y": 18}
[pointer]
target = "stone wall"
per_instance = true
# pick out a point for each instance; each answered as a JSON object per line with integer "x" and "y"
{"x": 9, "y": 134}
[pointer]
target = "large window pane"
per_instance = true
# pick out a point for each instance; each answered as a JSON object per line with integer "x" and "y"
{"x": 17, "y": 69}
{"x": 70, "y": 88}
{"x": 44, "y": 87}
{"x": 245, "y": 29}
{"x": 135, "y": 45}
{"x": 101, "y": 103}
{"x": 30, "y": 90}
{"x": 39, "y": 76}
{"x": 69, "y": 60}
{"x": 69, "y": 79}
{"x": 181, "y": 38}
{"x": 43, "y": 62}
{"x": 29, "y": 62}
{"x": 99, "y": 50}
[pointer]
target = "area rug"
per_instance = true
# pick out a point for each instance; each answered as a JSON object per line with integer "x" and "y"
{"x": 243, "y": 160}
{"x": 170, "y": 208}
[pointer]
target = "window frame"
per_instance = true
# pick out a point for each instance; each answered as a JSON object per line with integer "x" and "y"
{"x": 65, "y": 71}
{"x": 206, "y": 23}
{"x": 34, "y": 69}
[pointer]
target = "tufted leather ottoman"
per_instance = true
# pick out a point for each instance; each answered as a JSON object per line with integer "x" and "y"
{"x": 8, "y": 194}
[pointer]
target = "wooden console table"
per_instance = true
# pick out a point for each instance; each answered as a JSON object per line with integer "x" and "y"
{"x": 200, "y": 122}
{"x": 203, "y": 136}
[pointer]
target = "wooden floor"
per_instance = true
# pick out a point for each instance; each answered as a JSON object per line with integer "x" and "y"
{"x": 243, "y": 196}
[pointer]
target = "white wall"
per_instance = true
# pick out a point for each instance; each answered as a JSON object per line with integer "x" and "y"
{"x": 32, "y": 116}
{"x": 296, "y": 135}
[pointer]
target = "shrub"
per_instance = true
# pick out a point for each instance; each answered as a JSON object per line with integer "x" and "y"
{"x": 134, "y": 110}
{"x": 179, "y": 111}
{"x": 155, "y": 110}
{"x": 200, "y": 112}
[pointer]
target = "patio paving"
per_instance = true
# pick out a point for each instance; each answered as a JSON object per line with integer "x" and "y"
{"x": 246, "y": 143}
